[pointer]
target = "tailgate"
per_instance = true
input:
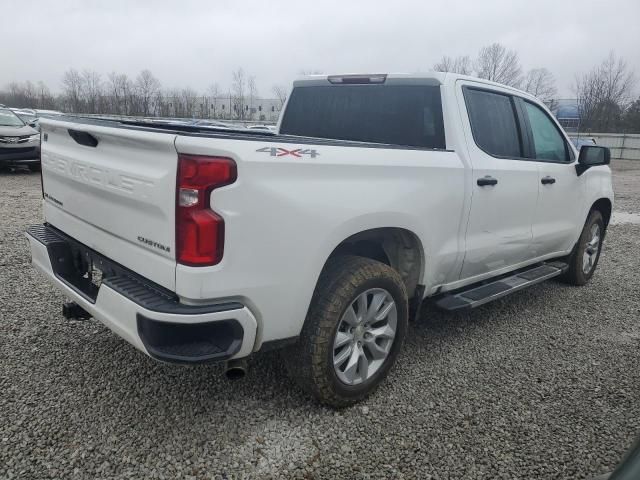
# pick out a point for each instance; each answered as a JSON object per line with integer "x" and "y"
{"x": 116, "y": 196}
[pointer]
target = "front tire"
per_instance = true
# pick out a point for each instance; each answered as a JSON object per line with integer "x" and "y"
{"x": 353, "y": 332}
{"x": 584, "y": 260}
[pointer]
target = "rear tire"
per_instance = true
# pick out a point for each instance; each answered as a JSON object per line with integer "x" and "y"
{"x": 584, "y": 260}
{"x": 353, "y": 332}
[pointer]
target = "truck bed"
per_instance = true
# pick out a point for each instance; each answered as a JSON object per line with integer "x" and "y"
{"x": 227, "y": 133}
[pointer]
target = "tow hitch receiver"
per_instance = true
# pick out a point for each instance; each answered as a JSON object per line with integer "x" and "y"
{"x": 73, "y": 311}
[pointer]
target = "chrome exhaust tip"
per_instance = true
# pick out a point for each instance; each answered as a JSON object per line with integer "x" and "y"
{"x": 236, "y": 369}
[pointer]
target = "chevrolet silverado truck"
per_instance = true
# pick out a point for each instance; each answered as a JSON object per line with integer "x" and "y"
{"x": 376, "y": 192}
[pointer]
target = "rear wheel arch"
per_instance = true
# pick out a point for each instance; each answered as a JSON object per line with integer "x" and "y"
{"x": 397, "y": 247}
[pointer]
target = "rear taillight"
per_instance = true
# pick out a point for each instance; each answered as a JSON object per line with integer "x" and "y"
{"x": 199, "y": 230}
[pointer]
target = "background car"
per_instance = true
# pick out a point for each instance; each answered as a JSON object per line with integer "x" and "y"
{"x": 580, "y": 141}
{"x": 28, "y": 116}
{"x": 19, "y": 142}
{"x": 211, "y": 123}
{"x": 269, "y": 128}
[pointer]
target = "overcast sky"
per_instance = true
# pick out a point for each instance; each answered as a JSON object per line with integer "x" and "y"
{"x": 195, "y": 43}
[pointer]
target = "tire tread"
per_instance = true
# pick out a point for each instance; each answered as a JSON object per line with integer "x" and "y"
{"x": 575, "y": 276}
{"x": 306, "y": 361}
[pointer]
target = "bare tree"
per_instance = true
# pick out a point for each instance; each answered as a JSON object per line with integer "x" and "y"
{"x": 253, "y": 94}
{"x": 239, "y": 87}
{"x": 604, "y": 93}
{"x": 29, "y": 93}
{"x": 280, "y": 93}
{"x": 631, "y": 118}
{"x": 45, "y": 99}
{"x": 21, "y": 94}
{"x": 147, "y": 86}
{"x": 162, "y": 107}
{"x": 72, "y": 90}
{"x": 460, "y": 64}
{"x": 115, "y": 89}
{"x": 116, "y": 93}
{"x": 130, "y": 95}
{"x": 540, "y": 83}
{"x": 214, "y": 93}
{"x": 91, "y": 90}
{"x": 188, "y": 98}
{"x": 15, "y": 93}
{"x": 498, "y": 64}
{"x": 173, "y": 103}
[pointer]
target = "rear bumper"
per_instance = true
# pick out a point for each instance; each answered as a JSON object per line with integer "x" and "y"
{"x": 146, "y": 315}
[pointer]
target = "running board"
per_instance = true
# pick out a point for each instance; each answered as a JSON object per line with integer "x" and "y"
{"x": 479, "y": 295}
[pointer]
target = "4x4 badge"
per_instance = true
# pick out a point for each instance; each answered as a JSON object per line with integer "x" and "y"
{"x": 282, "y": 152}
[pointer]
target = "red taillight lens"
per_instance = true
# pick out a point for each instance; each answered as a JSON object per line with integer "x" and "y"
{"x": 199, "y": 230}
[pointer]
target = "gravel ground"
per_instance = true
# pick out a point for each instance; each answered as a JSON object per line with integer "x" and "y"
{"x": 544, "y": 384}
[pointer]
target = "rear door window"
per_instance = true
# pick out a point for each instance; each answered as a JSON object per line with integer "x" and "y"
{"x": 404, "y": 115}
{"x": 493, "y": 122}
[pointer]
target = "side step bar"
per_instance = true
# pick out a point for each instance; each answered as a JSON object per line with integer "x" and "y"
{"x": 479, "y": 295}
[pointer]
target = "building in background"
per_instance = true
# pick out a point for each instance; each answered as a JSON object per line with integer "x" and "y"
{"x": 567, "y": 112}
{"x": 223, "y": 108}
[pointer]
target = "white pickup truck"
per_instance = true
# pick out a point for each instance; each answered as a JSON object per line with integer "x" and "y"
{"x": 201, "y": 244}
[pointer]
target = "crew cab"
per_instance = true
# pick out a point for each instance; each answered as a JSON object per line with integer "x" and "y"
{"x": 198, "y": 244}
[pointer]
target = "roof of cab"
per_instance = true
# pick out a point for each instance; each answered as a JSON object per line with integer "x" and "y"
{"x": 431, "y": 78}
{"x": 423, "y": 78}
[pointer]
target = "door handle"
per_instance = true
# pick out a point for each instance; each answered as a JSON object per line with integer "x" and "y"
{"x": 487, "y": 180}
{"x": 548, "y": 180}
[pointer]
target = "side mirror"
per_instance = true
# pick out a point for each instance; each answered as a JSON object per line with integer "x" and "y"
{"x": 592, "y": 156}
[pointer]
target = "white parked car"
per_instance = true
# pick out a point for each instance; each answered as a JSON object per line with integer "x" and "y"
{"x": 19, "y": 141}
{"x": 378, "y": 191}
{"x": 269, "y": 128}
{"x": 580, "y": 141}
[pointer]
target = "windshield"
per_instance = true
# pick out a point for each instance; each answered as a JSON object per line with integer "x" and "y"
{"x": 26, "y": 117}
{"x": 9, "y": 119}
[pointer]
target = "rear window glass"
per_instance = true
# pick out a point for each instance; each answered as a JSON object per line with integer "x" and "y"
{"x": 493, "y": 122}
{"x": 406, "y": 115}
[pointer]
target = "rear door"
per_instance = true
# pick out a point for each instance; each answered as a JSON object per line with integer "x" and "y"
{"x": 557, "y": 221}
{"x": 504, "y": 184}
{"x": 113, "y": 189}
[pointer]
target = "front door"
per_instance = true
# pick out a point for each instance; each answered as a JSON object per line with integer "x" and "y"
{"x": 558, "y": 219}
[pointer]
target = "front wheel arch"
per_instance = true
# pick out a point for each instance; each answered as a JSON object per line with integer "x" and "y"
{"x": 575, "y": 274}
{"x": 604, "y": 206}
